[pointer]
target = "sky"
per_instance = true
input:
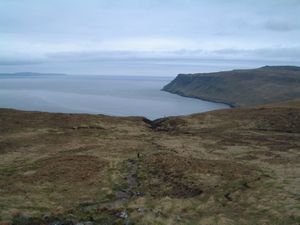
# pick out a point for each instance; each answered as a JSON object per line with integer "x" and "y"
{"x": 147, "y": 37}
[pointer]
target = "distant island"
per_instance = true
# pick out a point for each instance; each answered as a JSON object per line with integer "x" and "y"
{"x": 31, "y": 74}
{"x": 250, "y": 87}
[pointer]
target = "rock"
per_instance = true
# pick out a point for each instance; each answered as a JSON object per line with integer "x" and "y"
{"x": 141, "y": 210}
{"x": 123, "y": 214}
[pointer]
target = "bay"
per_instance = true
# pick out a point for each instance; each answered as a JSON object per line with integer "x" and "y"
{"x": 109, "y": 95}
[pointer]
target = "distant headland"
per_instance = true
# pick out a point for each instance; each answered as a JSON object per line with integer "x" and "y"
{"x": 250, "y": 87}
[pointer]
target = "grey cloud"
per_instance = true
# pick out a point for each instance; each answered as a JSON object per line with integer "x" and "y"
{"x": 71, "y": 29}
{"x": 281, "y": 25}
{"x": 276, "y": 54}
{"x": 18, "y": 62}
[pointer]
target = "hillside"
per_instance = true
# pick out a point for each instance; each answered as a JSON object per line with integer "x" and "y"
{"x": 232, "y": 166}
{"x": 252, "y": 87}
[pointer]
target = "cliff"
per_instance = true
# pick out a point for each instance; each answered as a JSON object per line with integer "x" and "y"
{"x": 251, "y": 87}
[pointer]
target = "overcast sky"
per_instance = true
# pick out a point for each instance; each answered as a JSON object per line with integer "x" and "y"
{"x": 42, "y": 34}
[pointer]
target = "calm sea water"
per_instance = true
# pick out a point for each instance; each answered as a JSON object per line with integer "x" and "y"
{"x": 110, "y": 95}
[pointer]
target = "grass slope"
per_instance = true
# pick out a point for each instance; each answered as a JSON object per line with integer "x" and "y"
{"x": 233, "y": 166}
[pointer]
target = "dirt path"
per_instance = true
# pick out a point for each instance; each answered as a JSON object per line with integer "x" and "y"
{"x": 132, "y": 183}
{"x": 123, "y": 196}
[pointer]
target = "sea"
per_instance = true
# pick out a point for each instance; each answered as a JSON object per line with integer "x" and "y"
{"x": 93, "y": 94}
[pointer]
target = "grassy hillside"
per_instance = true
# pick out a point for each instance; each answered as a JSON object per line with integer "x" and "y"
{"x": 252, "y": 87}
{"x": 233, "y": 166}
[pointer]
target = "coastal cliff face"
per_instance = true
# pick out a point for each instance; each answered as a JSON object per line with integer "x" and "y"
{"x": 231, "y": 166}
{"x": 252, "y": 87}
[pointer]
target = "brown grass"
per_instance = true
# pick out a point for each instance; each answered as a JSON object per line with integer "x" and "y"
{"x": 236, "y": 166}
